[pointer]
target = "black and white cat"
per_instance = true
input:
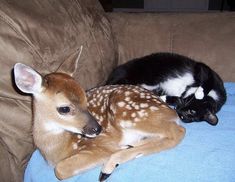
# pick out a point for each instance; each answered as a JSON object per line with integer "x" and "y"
{"x": 196, "y": 91}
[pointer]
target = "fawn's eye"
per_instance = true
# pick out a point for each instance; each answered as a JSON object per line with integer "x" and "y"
{"x": 64, "y": 110}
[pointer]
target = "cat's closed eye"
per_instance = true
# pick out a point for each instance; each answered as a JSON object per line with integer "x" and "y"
{"x": 192, "y": 111}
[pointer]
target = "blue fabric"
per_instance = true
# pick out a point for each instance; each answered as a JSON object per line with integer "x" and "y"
{"x": 206, "y": 154}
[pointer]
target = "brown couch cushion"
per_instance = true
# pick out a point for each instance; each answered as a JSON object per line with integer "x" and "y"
{"x": 139, "y": 34}
{"x": 42, "y": 34}
{"x": 207, "y": 37}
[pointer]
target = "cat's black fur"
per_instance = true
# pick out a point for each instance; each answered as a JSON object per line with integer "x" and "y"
{"x": 156, "y": 69}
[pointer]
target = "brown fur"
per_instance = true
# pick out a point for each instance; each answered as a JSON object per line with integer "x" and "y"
{"x": 83, "y": 154}
{"x": 130, "y": 116}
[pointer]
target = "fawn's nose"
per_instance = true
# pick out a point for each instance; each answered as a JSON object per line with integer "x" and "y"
{"x": 92, "y": 131}
{"x": 92, "y": 128}
{"x": 97, "y": 130}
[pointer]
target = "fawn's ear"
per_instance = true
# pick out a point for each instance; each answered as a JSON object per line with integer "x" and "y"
{"x": 27, "y": 79}
{"x": 69, "y": 66}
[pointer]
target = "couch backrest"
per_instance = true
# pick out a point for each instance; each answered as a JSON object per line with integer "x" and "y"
{"x": 206, "y": 37}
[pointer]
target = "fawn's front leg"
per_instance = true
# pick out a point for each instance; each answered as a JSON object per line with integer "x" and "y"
{"x": 171, "y": 138}
{"x": 80, "y": 162}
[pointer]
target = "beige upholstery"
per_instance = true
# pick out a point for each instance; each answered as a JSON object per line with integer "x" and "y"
{"x": 207, "y": 37}
{"x": 43, "y": 34}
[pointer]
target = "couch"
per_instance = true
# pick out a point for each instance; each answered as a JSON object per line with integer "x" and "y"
{"x": 42, "y": 34}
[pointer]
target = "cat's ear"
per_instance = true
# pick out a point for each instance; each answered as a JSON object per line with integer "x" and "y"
{"x": 69, "y": 66}
{"x": 211, "y": 118}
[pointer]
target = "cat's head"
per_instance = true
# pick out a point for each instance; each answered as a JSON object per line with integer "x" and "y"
{"x": 195, "y": 110}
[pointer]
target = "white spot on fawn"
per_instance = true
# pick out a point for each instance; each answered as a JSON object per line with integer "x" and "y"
{"x": 126, "y": 123}
{"x": 127, "y": 93}
{"x": 128, "y": 107}
{"x": 133, "y": 104}
{"x": 124, "y": 113}
{"x": 164, "y": 106}
{"x": 137, "y": 107}
{"x": 144, "y": 105}
{"x": 133, "y": 115}
{"x": 102, "y": 109}
{"x": 137, "y": 120}
{"x": 121, "y": 104}
{"x": 153, "y": 108}
{"x": 142, "y": 113}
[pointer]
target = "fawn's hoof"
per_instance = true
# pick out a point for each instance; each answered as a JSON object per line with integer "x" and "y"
{"x": 103, "y": 176}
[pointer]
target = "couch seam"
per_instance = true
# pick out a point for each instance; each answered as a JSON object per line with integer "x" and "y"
{"x": 171, "y": 37}
{"x": 5, "y": 18}
{"x": 115, "y": 41}
{"x": 101, "y": 55}
{"x": 11, "y": 98}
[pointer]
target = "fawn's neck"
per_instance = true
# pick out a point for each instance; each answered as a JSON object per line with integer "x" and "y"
{"x": 54, "y": 147}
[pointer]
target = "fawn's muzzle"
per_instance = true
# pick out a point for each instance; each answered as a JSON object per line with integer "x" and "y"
{"x": 92, "y": 128}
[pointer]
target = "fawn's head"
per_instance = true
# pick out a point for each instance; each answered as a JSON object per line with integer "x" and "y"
{"x": 60, "y": 103}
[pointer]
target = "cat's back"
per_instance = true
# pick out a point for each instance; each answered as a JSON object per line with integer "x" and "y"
{"x": 158, "y": 66}
{"x": 162, "y": 59}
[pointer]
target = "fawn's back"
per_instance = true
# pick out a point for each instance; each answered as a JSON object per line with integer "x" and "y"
{"x": 131, "y": 110}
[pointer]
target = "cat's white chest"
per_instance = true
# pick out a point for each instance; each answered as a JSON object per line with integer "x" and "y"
{"x": 177, "y": 86}
{"x": 174, "y": 86}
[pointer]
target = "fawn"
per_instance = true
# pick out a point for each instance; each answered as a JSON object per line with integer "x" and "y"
{"x": 77, "y": 130}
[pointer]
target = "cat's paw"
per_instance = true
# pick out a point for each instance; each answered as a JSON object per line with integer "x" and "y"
{"x": 199, "y": 94}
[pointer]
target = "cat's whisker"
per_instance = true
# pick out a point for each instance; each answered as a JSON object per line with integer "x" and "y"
{"x": 193, "y": 96}
{"x": 190, "y": 100}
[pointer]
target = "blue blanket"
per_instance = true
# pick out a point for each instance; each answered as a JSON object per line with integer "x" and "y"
{"x": 206, "y": 154}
